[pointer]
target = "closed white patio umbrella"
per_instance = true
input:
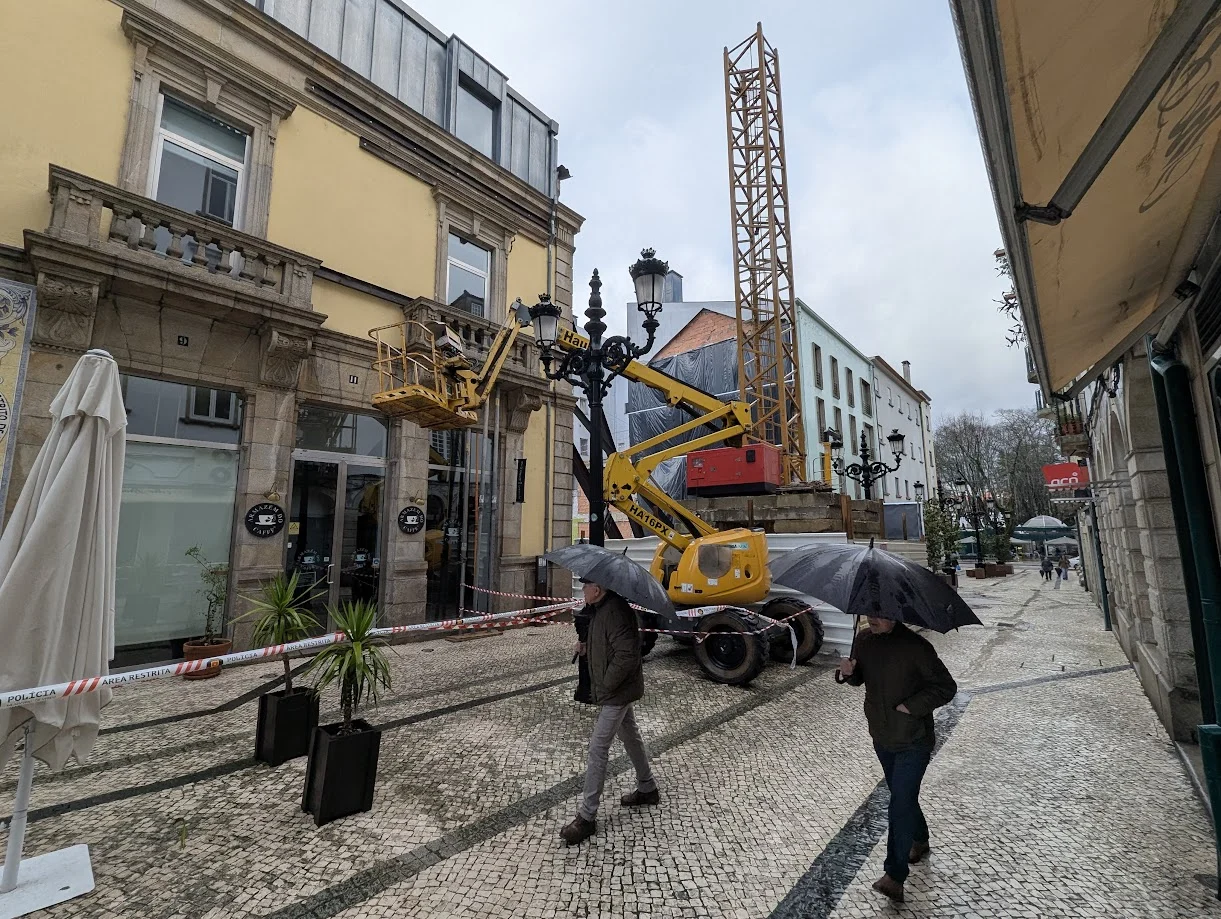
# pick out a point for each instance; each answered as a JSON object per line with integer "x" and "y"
{"x": 57, "y": 596}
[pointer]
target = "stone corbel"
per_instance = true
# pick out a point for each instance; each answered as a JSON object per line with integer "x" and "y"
{"x": 283, "y": 354}
{"x": 66, "y": 309}
{"x": 519, "y": 404}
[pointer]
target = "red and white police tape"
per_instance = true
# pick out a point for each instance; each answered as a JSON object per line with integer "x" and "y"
{"x": 92, "y": 684}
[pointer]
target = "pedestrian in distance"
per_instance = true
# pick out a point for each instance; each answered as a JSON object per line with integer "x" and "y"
{"x": 1061, "y": 570}
{"x": 612, "y": 652}
{"x": 905, "y": 681}
{"x": 1045, "y": 568}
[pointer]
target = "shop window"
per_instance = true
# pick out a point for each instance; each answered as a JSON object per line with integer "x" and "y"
{"x": 476, "y": 123}
{"x": 179, "y": 490}
{"x": 467, "y": 278}
{"x": 199, "y": 163}
{"x": 158, "y": 408}
{"x": 334, "y": 431}
{"x": 175, "y": 496}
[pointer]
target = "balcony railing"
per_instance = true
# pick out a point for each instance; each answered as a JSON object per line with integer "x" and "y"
{"x": 1070, "y": 429}
{"x": 104, "y": 217}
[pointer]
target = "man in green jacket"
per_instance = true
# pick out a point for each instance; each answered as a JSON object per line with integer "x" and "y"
{"x": 904, "y": 682}
{"x": 616, "y": 676}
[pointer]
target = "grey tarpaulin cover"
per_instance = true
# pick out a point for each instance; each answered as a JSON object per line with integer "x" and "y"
{"x": 712, "y": 368}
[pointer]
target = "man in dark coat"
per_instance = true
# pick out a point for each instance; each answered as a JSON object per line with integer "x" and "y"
{"x": 616, "y": 680}
{"x": 904, "y": 682}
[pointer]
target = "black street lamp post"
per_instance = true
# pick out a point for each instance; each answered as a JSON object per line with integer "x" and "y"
{"x": 593, "y": 368}
{"x": 868, "y": 470}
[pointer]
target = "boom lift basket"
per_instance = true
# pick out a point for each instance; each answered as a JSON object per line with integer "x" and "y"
{"x": 413, "y": 378}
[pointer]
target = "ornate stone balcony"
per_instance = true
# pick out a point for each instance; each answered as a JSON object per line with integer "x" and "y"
{"x": 117, "y": 232}
{"x": 477, "y": 334}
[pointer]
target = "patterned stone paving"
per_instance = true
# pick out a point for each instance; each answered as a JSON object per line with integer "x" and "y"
{"x": 1055, "y": 792}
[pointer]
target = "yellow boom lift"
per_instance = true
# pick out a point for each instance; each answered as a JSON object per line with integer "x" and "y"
{"x": 426, "y": 377}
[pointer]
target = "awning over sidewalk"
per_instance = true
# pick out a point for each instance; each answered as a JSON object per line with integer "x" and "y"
{"x": 1099, "y": 123}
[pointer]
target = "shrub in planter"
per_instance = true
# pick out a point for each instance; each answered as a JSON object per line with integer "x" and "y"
{"x": 214, "y": 585}
{"x": 342, "y": 768}
{"x": 287, "y": 718}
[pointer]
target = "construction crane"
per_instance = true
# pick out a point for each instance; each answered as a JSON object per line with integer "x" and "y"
{"x": 434, "y": 384}
{"x": 763, "y": 266}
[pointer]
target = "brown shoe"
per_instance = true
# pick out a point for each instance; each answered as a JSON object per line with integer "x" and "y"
{"x": 916, "y": 855}
{"x": 889, "y": 886}
{"x": 640, "y": 798}
{"x": 578, "y": 831}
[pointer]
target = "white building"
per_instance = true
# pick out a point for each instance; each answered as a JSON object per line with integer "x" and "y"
{"x": 901, "y": 406}
{"x": 836, "y": 392}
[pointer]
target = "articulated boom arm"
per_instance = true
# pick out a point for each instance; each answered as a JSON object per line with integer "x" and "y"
{"x": 474, "y": 386}
{"x": 626, "y": 479}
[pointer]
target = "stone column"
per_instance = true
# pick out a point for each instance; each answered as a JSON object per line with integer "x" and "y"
{"x": 268, "y": 435}
{"x": 515, "y": 573}
{"x": 404, "y": 589}
{"x": 1169, "y": 643}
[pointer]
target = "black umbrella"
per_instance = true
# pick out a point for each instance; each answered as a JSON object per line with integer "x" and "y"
{"x": 864, "y": 581}
{"x": 614, "y": 572}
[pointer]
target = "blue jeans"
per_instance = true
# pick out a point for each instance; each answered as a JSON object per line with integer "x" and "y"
{"x": 904, "y": 771}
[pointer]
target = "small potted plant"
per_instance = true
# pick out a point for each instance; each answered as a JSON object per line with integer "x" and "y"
{"x": 287, "y": 718}
{"x": 342, "y": 767}
{"x": 214, "y": 586}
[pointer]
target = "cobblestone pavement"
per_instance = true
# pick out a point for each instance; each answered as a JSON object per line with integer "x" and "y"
{"x": 1055, "y": 792}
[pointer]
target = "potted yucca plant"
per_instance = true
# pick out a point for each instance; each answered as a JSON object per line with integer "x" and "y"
{"x": 287, "y": 718}
{"x": 342, "y": 768}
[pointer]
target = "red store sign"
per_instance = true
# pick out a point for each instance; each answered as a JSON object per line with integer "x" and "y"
{"x": 1066, "y": 475}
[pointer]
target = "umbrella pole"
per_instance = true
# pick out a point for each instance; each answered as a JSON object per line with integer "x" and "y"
{"x": 21, "y": 806}
{"x": 856, "y": 630}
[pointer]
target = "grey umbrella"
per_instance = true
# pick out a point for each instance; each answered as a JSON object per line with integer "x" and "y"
{"x": 614, "y": 572}
{"x": 864, "y": 581}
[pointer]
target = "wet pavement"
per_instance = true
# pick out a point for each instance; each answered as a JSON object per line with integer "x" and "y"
{"x": 1054, "y": 792}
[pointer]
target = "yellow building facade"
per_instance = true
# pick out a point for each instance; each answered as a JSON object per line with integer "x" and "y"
{"x": 227, "y": 196}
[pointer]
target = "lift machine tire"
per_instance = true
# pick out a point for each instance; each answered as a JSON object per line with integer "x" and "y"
{"x": 732, "y": 654}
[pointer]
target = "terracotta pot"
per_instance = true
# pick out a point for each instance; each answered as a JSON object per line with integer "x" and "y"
{"x": 199, "y": 649}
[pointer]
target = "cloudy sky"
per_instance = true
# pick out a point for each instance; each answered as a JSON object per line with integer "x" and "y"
{"x": 892, "y": 218}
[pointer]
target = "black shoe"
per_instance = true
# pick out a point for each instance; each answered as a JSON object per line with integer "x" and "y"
{"x": 578, "y": 831}
{"x": 889, "y": 886}
{"x": 919, "y": 850}
{"x": 640, "y": 798}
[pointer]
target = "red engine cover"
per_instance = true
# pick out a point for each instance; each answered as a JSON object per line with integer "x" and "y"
{"x": 753, "y": 469}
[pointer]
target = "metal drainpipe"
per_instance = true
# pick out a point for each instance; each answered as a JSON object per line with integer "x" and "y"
{"x": 1103, "y": 595}
{"x": 1192, "y": 489}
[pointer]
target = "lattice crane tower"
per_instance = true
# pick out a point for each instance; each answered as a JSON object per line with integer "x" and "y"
{"x": 763, "y": 266}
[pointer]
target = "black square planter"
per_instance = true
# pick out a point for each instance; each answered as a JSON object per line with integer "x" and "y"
{"x": 341, "y": 772}
{"x": 286, "y": 724}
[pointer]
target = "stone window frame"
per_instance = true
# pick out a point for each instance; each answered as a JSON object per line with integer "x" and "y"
{"x": 456, "y": 216}
{"x": 165, "y": 61}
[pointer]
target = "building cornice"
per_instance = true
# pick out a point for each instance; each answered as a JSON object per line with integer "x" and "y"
{"x": 369, "y": 110}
